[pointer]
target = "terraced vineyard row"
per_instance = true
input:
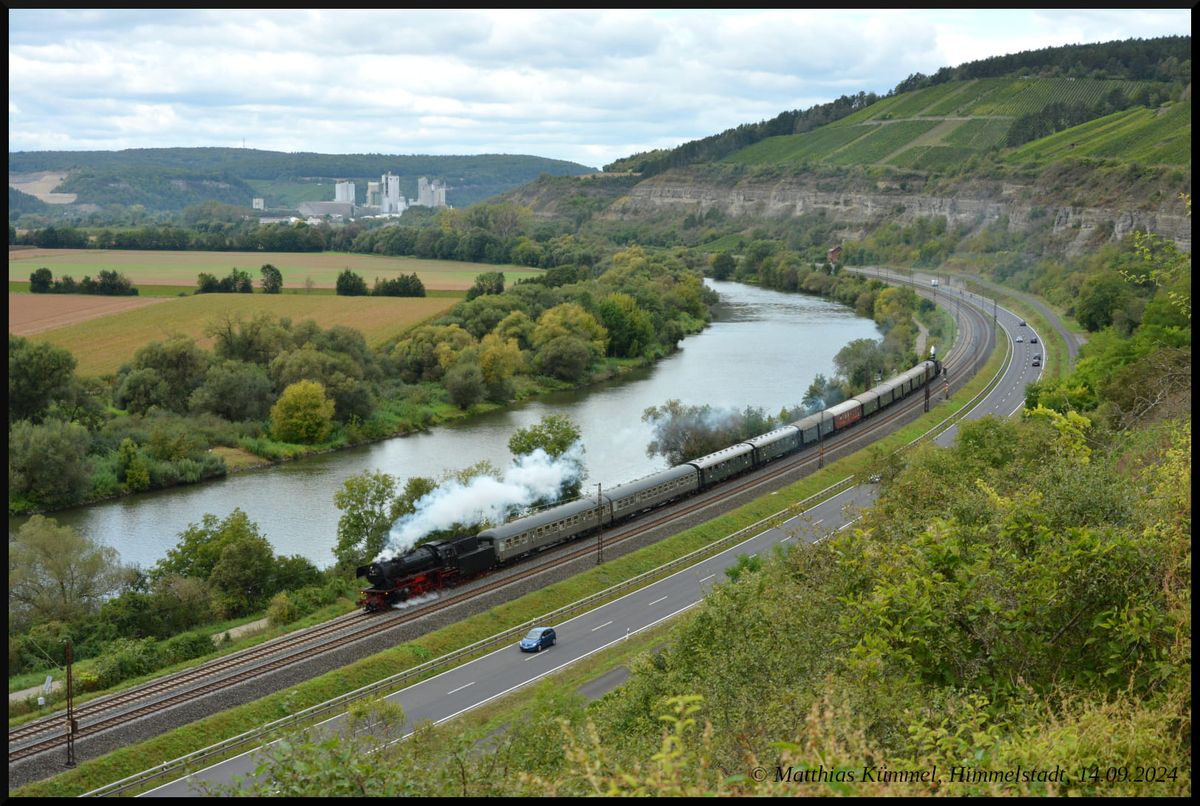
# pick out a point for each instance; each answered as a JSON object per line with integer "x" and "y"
{"x": 800, "y": 147}
{"x": 883, "y": 141}
{"x": 1149, "y": 136}
{"x": 1013, "y": 97}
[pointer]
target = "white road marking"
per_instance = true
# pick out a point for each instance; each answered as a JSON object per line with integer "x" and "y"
{"x": 460, "y": 688}
{"x": 707, "y": 578}
{"x": 656, "y": 601}
{"x": 602, "y": 626}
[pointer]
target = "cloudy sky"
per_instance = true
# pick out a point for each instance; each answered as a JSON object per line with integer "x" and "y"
{"x": 587, "y": 86}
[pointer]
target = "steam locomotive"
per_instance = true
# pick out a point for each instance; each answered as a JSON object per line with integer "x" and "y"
{"x": 445, "y": 563}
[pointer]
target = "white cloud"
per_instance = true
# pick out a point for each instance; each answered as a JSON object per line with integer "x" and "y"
{"x": 588, "y": 86}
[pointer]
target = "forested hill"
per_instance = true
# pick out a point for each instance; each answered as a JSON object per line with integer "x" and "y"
{"x": 125, "y": 177}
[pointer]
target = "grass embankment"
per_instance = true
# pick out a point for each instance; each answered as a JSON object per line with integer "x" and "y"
{"x": 128, "y": 761}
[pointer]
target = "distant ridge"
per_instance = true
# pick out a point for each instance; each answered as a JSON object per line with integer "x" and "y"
{"x": 232, "y": 175}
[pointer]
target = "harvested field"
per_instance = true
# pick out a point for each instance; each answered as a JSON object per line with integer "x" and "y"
{"x": 144, "y": 267}
{"x": 101, "y": 345}
{"x": 34, "y": 313}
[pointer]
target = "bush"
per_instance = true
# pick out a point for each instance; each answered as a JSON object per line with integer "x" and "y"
{"x": 464, "y": 383}
{"x": 127, "y": 658}
{"x": 237, "y": 282}
{"x": 303, "y": 414}
{"x": 564, "y": 357}
{"x": 48, "y": 463}
{"x": 40, "y": 280}
{"x": 163, "y": 474}
{"x": 87, "y": 681}
{"x": 350, "y": 284}
{"x": 185, "y": 647}
{"x": 105, "y": 483}
{"x": 281, "y": 610}
{"x": 406, "y": 285}
{"x": 190, "y": 471}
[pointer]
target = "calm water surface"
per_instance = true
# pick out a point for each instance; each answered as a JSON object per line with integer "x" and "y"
{"x": 763, "y": 349}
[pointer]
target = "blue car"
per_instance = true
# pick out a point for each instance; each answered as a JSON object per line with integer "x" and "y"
{"x": 538, "y": 639}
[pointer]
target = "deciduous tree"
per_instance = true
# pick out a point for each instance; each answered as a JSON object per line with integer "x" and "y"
{"x": 303, "y": 414}
{"x": 57, "y": 573}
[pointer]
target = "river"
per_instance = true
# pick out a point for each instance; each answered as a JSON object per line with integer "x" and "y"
{"x": 763, "y": 349}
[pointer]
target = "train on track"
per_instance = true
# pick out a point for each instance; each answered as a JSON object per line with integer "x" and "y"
{"x": 444, "y": 563}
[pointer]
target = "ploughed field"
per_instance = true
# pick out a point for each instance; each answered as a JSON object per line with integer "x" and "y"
{"x": 105, "y": 332}
{"x": 150, "y": 267}
{"x": 34, "y": 313}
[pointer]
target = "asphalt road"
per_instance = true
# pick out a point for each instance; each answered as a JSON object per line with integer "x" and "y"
{"x": 473, "y": 684}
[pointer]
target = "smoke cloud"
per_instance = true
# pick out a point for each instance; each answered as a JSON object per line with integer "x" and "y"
{"x": 532, "y": 478}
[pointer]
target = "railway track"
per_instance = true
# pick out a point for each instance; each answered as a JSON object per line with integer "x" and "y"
{"x": 105, "y": 713}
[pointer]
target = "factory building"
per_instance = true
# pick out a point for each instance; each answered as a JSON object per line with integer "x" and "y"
{"x": 383, "y": 198}
{"x": 430, "y": 195}
{"x": 391, "y": 201}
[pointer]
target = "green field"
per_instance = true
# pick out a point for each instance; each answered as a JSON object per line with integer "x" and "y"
{"x": 144, "y": 267}
{"x": 101, "y": 345}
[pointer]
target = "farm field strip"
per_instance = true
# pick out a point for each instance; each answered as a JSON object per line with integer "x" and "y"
{"x": 152, "y": 267}
{"x": 35, "y": 313}
{"x": 101, "y": 345}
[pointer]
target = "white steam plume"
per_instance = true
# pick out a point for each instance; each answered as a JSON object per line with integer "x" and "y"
{"x": 533, "y": 477}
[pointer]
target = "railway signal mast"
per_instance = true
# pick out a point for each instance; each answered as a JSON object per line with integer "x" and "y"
{"x": 599, "y": 526}
{"x": 72, "y": 725}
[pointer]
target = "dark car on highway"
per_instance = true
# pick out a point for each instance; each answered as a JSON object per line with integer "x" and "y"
{"x": 538, "y": 639}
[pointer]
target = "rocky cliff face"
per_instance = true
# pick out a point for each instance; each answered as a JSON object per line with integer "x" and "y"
{"x": 972, "y": 203}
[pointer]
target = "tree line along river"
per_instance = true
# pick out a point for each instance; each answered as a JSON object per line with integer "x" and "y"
{"x": 762, "y": 349}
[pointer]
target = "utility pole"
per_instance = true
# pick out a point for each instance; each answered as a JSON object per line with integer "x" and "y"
{"x": 71, "y": 725}
{"x": 926, "y": 397}
{"x": 599, "y": 526}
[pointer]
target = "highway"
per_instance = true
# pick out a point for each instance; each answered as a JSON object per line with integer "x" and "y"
{"x": 480, "y": 681}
